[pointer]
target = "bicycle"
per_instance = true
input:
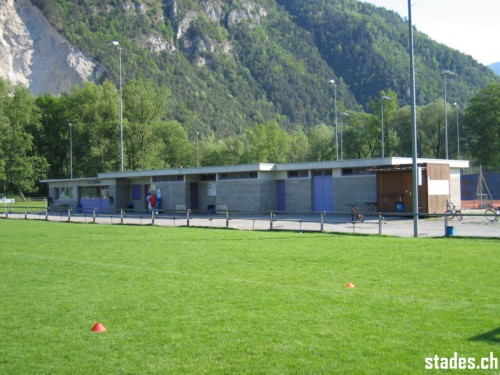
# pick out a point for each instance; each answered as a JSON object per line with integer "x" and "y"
{"x": 356, "y": 215}
{"x": 492, "y": 213}
{"x": 451, "y": 211}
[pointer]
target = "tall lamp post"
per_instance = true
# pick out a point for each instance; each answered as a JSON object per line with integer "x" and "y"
{"x": 197, "y": 155}
{"x": 385, "y": 97}
{"x": 446, "y": 74}
{"x": 458, "y": 130}
{"x": 414, "y": 138}
{"x": 332, "y": 81}
{"x": 116, "y": 44}
{"x": 342, "y": 115}
{"x": 70, "y": 150}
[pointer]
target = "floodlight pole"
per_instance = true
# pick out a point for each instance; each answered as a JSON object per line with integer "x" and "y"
{"x": 116, "y": 44}
{"x": 385, "y": 97}
{"x": 446, "y": 74}
{"x": 458, "y": 131}
{"x": 197, "y": 154}
{"x": 70, "y": 150}
{"x": 413, "y": 127}
{"x": 332, "y": 81}
{"x": 342, "y": 115}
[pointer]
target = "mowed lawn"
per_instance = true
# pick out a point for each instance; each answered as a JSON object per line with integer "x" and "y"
{"x": 190, "y": 300}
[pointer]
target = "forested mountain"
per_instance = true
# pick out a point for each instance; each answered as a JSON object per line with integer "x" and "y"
{"x": 229, "y": 64}
{"x": 212, "y": 82}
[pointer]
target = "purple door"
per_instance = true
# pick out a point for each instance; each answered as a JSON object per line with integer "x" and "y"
{"x": 280, "y": 185}
{"x": 322, "y": 193}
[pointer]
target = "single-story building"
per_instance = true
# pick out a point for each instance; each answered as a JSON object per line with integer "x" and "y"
{"x": 381, "y": 184}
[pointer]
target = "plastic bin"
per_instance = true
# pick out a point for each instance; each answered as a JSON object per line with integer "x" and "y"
{"x": 450, "y": 231}
{"x": 400, "y": 207}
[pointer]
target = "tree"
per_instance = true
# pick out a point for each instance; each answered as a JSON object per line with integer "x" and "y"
{"x": 175, "y": 150}
{"x": 361, "y": 136}
{"x": 277, "y": 143}
{"x": 256, "y": 150}
{"x": 20, "y": 168}
{"x": 387, "y": 101}
{"x": 299, "y": 147}
{"x": 95, "y": 113}
{"x": 144, "y": 105}
{"x": 482, "y": 126}
{"x": 321, "y": 143}
{"x": 431, "y": 129}
{"x": 52, "y": 142}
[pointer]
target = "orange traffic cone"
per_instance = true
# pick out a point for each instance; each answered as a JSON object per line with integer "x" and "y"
{"x": 350, "y": 285}
{"x": 98, "y": 327}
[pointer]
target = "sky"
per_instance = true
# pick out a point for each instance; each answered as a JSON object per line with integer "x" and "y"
{"x": 470, "y": 26}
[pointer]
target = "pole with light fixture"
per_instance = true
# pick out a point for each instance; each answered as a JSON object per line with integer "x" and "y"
{"x": 446, "y": 74}
{"x": 197, "y": 154}
{"x": 413, "y": 127}
{"x": 116, "y": 44}
{"x": 457, "y": 107}
{"x": 70, "y": 150}
{"x": 342, "y": 115}
{"x": 385, "y": 97}
{"x": 332, "y": 81}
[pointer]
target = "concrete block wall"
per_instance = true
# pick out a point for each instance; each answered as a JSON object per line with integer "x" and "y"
{"x": 241, "y": 195}
{"x": 268, "y": 195}
{"x": 173, "y": 194}
{"x": 298, "y": 194}
{"x": 359, "y": 190}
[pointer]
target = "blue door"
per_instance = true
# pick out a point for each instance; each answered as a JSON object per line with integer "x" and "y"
{"x": 280, "y": 185}
{"x": 322, "y": 193}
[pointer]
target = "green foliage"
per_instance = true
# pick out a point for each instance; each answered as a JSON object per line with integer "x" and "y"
{"x": 482, "y": 126}
{"x": 20, "y": 167}
{"x": 367, "y": 47}
{"x": 255, "y": 90}
{"x": 145, "y": 106}
{"x": 95, "y": 112}
{"x": 321, "y": 143}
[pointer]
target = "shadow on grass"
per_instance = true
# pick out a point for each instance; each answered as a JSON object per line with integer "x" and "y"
{"x": 491, "y": 336}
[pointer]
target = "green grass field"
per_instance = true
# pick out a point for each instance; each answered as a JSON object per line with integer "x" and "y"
{"x": 20, "y": 205}
{"x": 189, "y": 301}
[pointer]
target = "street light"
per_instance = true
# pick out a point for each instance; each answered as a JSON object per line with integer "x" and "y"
{"x": 385, "y": 97}
{"x": 342, "y": 115}
{"x": 116, "y": 44}
{"x": 458, "y": 131}
{"x": 70, "y": 150}
{"x": 332, "y": 81}
{"x": 197, "y": 155}
{"x": 414, "y": 137}
{"x": 446, "y": 74}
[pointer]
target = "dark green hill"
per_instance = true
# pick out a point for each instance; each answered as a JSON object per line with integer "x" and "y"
{"x": 230, "y": 64}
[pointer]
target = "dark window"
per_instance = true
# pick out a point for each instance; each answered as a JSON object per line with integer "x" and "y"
{"x": 298, "y": 174}
{"x": 208, "y": 177}
{"x": 327, "y": 172}
{"x": 171, "y": 178}
{"x": 237, "y": 175}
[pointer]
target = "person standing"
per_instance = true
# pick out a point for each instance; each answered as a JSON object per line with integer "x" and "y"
{"x": 148, "y": 202}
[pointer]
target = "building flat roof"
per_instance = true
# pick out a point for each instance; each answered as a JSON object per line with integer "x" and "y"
{"x": 270, "y": 167}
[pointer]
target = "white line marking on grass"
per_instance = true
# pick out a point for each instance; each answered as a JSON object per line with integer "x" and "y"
{"x": 185, "y": 274}
{"x": 336, "y": 287}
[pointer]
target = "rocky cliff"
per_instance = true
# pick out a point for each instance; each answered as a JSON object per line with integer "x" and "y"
{"x": 34, "y": 54}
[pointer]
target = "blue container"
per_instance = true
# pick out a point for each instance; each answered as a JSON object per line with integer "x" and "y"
{"x": 450, "y": 231}
{"x": 400, "y": 207}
